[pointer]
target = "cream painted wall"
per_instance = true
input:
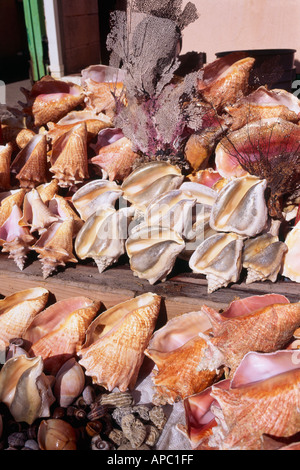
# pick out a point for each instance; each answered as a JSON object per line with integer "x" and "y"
{"x": 225, "y": 25}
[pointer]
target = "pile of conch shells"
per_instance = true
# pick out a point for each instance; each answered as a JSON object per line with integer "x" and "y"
{"x": 69, "y": 370}
{"x": 73, "y": 187}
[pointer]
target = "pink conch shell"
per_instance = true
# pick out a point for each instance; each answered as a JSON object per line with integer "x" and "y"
{"x": 58, "y": 332}
{"x": 16, "y": 239}
{"x": 50, "y": 100}
{"x": 266, "y": 329}
{"x": 17, "y": 312}
{"x": 208, "y": 177}
{"x": 116, "y": 159}
{"x": 8, "y": 200}
{"x": 55, "y": 247}
{"x": 225, "y": 80}
{"x": 5, "y": 160}
{"x": 36, "y": 215}
{"x": 30, "y": 165}
{"x": 259, "y": 400}
{"x": 63, "y": 210}
{"x": 291, "y": 264}
{"x": 176, "y": 350}
{"x": 116, "y": 341}
{"x": 94, "y": 124}
{"x": 69, "y": 162}
{"x": 263, "y": 104}
{"x": 25, "y": 389}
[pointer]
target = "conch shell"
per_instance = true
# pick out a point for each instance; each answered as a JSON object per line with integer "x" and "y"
{"x": 17, "y": 312}
{"x": 103, "y": 236}
{"x": 116, "y": 159}
{"x": 58, "y": 332}
{"x": 47, "y": 191}
{"x": 30, "y": 165}
{"x": 153, "y": 251}
{"x": 49, "y": 100}
{"x": 208, "y": 177}
{"x": 5, "y": 160}
{"x": 291, "y": 265}
{"x": 69, "y": 160}
{"x": 116, "y": 341}
{"x": 96, "y": 195}
{"x": 8, "y": 200}
{"x": 62, "y": 209}
{"x": 263, "y": 258}
{"x": 176, "y": 350}
{"x": 16, "y": 239}
{"x": 150, "y": 180}
{"x": 240, "y": 207}
{"x": 36, "y": 215}
{"x": 25, "y": 389}
{"x": 225, "y": 80}
{"x": 219, "y": 257}
{"x": 55, "y": 246}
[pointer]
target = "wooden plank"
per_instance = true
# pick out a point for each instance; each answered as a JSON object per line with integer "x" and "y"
{"x": 183, "y": 292}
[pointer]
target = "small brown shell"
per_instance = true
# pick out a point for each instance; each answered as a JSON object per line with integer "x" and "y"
{"x": 5, "y": 159}
{"x": 56, "y": 434}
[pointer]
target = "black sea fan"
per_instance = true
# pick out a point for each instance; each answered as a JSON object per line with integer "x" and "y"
{"x": 160, "y": 109}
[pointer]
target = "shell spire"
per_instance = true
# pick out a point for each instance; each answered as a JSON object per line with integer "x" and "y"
{"x": 55, "y": 247}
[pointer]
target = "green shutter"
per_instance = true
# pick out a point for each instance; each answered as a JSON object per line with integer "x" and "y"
{"x": 35, "y": 26}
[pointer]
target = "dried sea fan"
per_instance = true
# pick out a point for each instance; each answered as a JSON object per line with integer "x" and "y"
{"x": 151, "y": 91}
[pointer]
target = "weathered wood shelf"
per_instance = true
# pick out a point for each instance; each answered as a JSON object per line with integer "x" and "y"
{"x": 183, "y": 291}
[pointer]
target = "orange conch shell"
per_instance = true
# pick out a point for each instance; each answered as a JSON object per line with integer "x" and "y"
{"x": 116, "y": 159}
{"x": 69, "y": 161}
{"x": 47, "y": 191}
{"x": 58, "y": 332}
{"x": 63, "y": 210}
{"x": 36, "y": 214}
{"x": 50, "y": 100}
{"x": 17, "y": 312}
{"x": 55, "y": 247}
{"x": 225, "y": 80}
{"x": 266, "y": 330}
{"x": 5, "y": 159}
{"x": 116, "y": 341}
{"x": 30, "y": 165}
{"x": 8, "y": 200}
{"x": 176, "y": 350}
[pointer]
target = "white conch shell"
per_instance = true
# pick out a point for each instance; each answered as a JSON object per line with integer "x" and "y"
{"x": 291, "y": 266}
{"x": 25, "y": 389}
{"x": 69, "y": 383}
{"x": 219, "y": 257}
{"x": 153, "y": 251}
{"x": 149, "y": 181}
{"x": 203, "y": 194}
{"x": 241, "y": 207}
{"x": 96, "y": 195}
{"x": 103, "y": 236}
{"x": 263, "y": 257}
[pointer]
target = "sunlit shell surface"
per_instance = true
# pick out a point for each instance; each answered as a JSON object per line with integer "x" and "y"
{"x": 47, "y": 191}
{"x": 176, "y": 350}
{"x": 116, "y": 341}
{"x": 25, "y": 389}
{"x": 103, "y": 236}
{"x": 153, "y": 251}
{"x": 116, "y": 159}
{"x": 16, "y": 239}
{"x": 266, "y": 329}
{"x": 8, "y": 200}
{"x": 96, "y": 195}
{"x": 241, "y": 207}
{"x": 149, "y": 181}
{"x": 225, "y": 80}
{"x": 262, "y": 104}
{"x": 49, "y": 100}
{"x": 58, "y": 332}
{"x": 62, "y": 209}
{"x": 69, "y": 160}
{"x": 17, "y": 312}
{"x": 30, "y": 165}
{"x": 55, "y": 246}
{"x": 202, "y": 193}
{"x": 219, "y": 257}
{"x": 5, "y": 160}
{"x": 36, "y": 215}
{"x": 291, "y": 265}
{"x": 263, "y": 258}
